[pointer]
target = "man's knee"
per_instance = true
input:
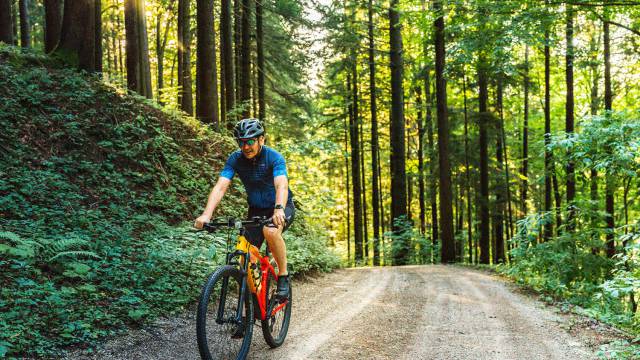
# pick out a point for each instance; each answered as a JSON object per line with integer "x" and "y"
{"x": 271, "y": 232}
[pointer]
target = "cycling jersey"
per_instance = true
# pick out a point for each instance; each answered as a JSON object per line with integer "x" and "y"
{"x": 257, "y": 175}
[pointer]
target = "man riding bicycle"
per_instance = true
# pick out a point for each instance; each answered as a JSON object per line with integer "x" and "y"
{"x": 263, "y": 173}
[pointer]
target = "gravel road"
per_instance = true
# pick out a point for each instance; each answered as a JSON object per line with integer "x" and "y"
{"x": 410, "y": 312}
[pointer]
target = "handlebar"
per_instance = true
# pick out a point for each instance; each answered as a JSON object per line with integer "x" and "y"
{"x": 236, "y": 223}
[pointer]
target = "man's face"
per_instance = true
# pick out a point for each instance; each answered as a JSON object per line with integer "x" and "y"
{"x": 251, "y": 147}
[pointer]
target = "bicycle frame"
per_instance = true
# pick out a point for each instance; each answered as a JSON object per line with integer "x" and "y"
{"x": 259, "y": 279}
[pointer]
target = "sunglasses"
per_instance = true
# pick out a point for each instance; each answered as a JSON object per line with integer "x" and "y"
{"x": 249, "y": 142}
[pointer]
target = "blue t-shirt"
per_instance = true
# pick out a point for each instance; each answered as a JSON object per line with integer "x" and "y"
{"x": 257, "y": 175}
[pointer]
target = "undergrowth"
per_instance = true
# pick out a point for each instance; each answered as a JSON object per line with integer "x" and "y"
{"x": 98, "y": 190}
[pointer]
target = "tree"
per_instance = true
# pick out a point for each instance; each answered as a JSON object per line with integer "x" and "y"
{"x": 226, "y": 56}
{"x": 355, "y": 161}
{"x": 6, "y": 22}
{"x": 569, "y": 118}
{"x": 610, "y": 180}
{"x": 206, "y": 84}
{"x": 245, "y": 58}
{"x": 53, "y": 24}
{"x": 262, "y": 111}
{"x": 185, "y": 97}
{"x": 446, "y": 213}
{"x": 138, "y": 70}
{"x": 484, "y": 166}
{"x": 77, "y": 37}
{"x": 25, "y": 31}
{"x": 398, "y": 171}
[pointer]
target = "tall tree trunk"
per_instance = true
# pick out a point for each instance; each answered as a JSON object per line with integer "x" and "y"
{"x": 432, "y": 163}
{"x": 484, "y": 167}
{"x": 237, "y": 39}
{"x": 6, "y": 22}
{"x": 346, "y": 164}
{"x": 185, "y": 95}
{"x": 25, "y": 31}
{"x": 498, "y": 253}
{"x": 207, "y": 104}
{"x": 364, "y": 191}
{"x": 446, "y": 220}
{"x": 53, "y": 24}
{"x": 77, "y": 37}
{"x": 398, "y": 171}
{"x": 593, "y": 178}
{"x": 262, "y": 110}
{"x": 355, "y": 164}
{"x": 548, "y": 228}
{"x": 138, "y": 69}
{"x": 467, "y": 169}
{"x": 525, "y": 136}
{"x": 374, "y": 140}
{"x": 245, "y": 59}
{"x": 98, "y": 37}
{"x": 226, "y": 56}
{"x": 569, "y": 120}
{"x": 610, "y": 181}
{"x": 418, "y": 91}
{"x": 161, "y": 45}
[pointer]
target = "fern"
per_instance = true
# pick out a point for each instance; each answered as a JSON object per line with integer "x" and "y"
{"x": 88, "y": 254}
{"x": 11, "y": 236}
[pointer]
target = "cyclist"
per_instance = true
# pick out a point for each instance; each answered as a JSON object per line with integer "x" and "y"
{"x": 263, "y": 172}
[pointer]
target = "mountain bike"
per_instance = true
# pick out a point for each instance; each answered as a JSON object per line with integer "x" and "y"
{"x": 239, "y": 293}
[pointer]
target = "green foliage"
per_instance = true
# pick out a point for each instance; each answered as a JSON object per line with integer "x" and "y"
{"x": 408, "y": 240}
{"x": 95, "y": 189}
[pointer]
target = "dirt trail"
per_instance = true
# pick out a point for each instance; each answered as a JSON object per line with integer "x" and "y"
{"x": 412, "y": 312}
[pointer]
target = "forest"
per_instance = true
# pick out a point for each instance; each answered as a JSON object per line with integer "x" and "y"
{"x": 490, "y": 134}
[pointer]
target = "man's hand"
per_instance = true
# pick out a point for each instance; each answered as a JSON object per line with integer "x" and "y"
{"x": 200, "y": 221}
{"x": 278, "y": 217}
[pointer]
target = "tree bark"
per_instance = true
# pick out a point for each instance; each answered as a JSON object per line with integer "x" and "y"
{"x": 262, "y": 110}
{"x": 185, "y": 95}
{"x": 77, "y": 37}
{"x": 525, "y": 136}
{"x": 433, "y": 191}
{"x": 610, "y": 181}
{"x": 569, "y": 120}
{"x": 138, "y": 69}
{"x": 226, "y": 56}
{"x": 98, "y": 36}
{"x": 484, "y": 169}
{"x": 375, "y": 200}
{"x": 446, "y": 220}
{"x": 418, "y": 91}
{"x": 355, "y": 165}
{"x": 25, "y": 31}
{"x": 498, "y": 253}
{"x": 467, "y": 168}
{"x": 398, "y": 171}
{"x": 206, "y": 104}
{"x": 548, "y": 228}
{"x": 6, "y": 22}
{"x": 245, "y": 59}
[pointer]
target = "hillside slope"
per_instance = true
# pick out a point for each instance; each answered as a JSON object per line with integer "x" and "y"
{"x": 97, "y": 191}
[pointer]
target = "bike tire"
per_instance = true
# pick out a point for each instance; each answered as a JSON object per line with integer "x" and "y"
{"x": 226, "y": 340}
{"x": 274, "y": 329}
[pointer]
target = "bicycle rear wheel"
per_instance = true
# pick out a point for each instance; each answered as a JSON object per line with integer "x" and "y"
{"x": 276, "y": 325}
{"x": 224, "y": 326}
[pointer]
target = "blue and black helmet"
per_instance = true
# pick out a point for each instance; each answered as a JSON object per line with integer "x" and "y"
{"x": 248, "y": 128}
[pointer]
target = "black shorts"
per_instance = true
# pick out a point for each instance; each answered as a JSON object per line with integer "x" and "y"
{"x": 254, "y": 234}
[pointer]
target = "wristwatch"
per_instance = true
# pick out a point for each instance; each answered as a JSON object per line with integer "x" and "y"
{"x": 278, "y": 206}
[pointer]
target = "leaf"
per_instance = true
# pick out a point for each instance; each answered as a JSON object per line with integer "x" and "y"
{"x": 137, "y": 314}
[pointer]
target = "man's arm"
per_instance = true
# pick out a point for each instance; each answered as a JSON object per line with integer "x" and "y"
{"x": 282, "y": 193}
{"x": 215, "y": 196}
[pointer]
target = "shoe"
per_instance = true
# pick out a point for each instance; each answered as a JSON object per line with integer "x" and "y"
{"x": 282, "y": 293}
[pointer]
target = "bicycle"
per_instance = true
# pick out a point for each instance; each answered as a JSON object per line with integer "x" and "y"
{"x": 238, "y": 293}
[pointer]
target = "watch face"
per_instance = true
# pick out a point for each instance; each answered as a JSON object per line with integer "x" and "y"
{"x": 279, "y": 206}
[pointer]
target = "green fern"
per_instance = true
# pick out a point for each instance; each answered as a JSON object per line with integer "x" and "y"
{"x": 76, "y": 254}
{"x": 8, "y": 235}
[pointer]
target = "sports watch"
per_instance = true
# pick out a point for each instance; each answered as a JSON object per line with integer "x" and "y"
{"x": 278, "y": 206}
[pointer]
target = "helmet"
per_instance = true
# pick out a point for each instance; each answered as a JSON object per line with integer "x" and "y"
{"x": 248, "y": 128}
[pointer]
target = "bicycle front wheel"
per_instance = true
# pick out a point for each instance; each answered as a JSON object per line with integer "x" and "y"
{"x": 224, "y": 323}
{"x": 276, "y": 326}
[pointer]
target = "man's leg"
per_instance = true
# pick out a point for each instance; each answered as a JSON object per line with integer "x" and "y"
{"x": 277, "y": 246}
